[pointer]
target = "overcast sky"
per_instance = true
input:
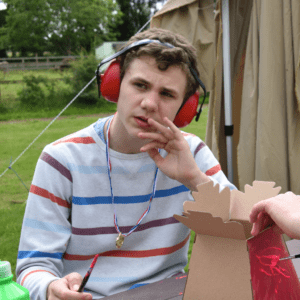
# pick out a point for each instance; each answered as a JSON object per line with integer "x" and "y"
{"x": 159, "y": 5}
{"x": 2, "y": 5}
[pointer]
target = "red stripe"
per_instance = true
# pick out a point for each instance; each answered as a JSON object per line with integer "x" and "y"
{"x": 77, "y": 140}
{"x": 214, "y": 170}
{"x": 34, "y": 272}
{"x": 44, "y": 193}
{"x": 130, "y": 253}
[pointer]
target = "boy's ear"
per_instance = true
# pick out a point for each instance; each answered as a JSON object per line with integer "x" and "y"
{"x": 110, "y": 82}
{"x": 188, "y": 111}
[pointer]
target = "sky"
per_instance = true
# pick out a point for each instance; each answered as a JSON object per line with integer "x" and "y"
{"x": 2, "y": 5}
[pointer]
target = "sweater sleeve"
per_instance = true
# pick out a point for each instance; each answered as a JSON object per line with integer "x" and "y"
{"x": 208, "y": 164}
{"x": 46, "y": 227}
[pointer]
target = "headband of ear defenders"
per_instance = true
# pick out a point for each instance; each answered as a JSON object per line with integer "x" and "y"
{"x": 145, "y": 42}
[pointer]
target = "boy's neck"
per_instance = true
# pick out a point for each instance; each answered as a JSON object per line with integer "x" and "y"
{"x": 120, "y": 142}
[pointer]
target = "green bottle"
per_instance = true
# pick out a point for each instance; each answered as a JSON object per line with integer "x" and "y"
{"x": 10, "y": 290}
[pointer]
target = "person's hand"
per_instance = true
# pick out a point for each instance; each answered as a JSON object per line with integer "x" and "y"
{"x": 179, "y": 164}
{"x": 283, "y": 210}
{"x": 66, "y": 289}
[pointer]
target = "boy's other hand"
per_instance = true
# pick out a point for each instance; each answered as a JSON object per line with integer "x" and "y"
{"x": 66, "y": 289}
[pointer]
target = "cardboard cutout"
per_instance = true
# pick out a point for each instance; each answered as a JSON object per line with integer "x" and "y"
{"x": 221, "y": 266}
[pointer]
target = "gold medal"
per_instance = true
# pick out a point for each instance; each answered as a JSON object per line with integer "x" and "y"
{"x": 119, "y": 241}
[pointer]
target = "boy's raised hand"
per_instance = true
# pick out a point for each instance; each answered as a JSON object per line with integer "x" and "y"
{"x": 179, "y": 164}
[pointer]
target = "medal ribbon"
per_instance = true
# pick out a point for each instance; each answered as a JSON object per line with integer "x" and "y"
{"x": 111, "y": 190}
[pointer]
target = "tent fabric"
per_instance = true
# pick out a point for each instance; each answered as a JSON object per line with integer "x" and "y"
{"x": 265, "y": 62}
{"x": 194, "y": 20}
{"x": 239, "y": 15}
{"x": 269, "y": 139}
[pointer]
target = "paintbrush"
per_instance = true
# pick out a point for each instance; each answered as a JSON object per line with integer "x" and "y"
{"x": 290, "y": 257}
{"x": 88, "y": 273}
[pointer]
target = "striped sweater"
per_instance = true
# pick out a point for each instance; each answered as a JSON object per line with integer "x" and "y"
{"x": 69, "y": 216}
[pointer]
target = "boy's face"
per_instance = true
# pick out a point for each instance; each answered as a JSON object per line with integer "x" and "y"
{"x": 147, "y": 92}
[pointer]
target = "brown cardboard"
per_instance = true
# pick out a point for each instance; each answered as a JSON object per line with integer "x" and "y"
{"x": 219, "y": 266}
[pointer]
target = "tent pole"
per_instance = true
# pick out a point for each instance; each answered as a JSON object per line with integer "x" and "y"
{"x": 227, "y": 86}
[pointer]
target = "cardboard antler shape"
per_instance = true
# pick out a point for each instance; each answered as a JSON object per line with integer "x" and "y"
{"x": 220, "y": 266}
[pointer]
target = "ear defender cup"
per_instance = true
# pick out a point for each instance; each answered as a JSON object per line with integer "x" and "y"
{"x": 188, "y": 111}
{"x": 110, "y": 82}
{"x": 110, "y": 89}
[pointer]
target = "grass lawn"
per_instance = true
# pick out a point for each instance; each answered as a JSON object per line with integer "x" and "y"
{"x": 19, "y": 74}
{"x": 15, "y": 137}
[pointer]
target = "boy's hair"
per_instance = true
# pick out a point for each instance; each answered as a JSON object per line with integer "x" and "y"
{"x": 183, "y": 54}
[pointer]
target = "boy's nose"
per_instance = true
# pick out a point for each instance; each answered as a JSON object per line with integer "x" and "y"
{"x": 150, "y": 102}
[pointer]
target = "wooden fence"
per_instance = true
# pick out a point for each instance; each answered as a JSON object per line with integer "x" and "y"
{"x": 36, "y": 63}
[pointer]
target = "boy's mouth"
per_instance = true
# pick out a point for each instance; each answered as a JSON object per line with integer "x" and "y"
{"x": 142, "y": 121}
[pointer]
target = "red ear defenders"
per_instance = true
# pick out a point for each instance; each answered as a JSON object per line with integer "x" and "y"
{"x": 109, "y": 85}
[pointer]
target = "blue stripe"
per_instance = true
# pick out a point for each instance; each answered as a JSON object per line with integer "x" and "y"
{"x": 137, "y": 285}
{"x": 31, "y": 254}
{"x": 173, "y": 191}
{"x": 147, "y": 168}
{"x": 95, "y": 169}
{"x": 128, "y": 199}
{"x": 82, "y": 169}
{"x": 99, "y": 126}
{"x": 87, "y": 169}
{"x": 47, "y": 226}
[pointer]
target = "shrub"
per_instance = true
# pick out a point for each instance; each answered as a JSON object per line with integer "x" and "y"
{"x": 83, "y": 71}
{"x": 3, "y": 109}
{"x": 42, "y": 93}
{"x": 32, "y": 96}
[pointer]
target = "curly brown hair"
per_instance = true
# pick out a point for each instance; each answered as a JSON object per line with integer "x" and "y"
{"x": 183, "y": 54}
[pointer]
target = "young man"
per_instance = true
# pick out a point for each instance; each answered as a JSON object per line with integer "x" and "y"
{"x": 92, "y": 190}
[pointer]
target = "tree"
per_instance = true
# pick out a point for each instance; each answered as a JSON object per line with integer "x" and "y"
{"x": 136, "y": 13}
{"x": 63, "y": 27}
{"x": 3, "y": 35}
{"x": 27, "y": 25}
{"x": 78, "y": 24}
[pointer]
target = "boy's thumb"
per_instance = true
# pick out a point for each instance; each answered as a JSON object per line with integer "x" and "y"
{"x": 75, "y": 287}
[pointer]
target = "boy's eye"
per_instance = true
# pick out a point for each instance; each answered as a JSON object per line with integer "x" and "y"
{"x": 140, "y": 85}
{"x": 167, "y": 94}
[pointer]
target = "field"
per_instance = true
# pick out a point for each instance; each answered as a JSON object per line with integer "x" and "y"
{"x": 9, "y": 91}
{"x": 10, "y": 104}
{"x": 15, "y": 137}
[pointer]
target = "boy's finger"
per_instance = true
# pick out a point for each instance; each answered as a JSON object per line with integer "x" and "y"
{"x": 161, "y": 128}
{"x": 73, "y": 279}
{"x": 153, "y": 145}
{"x": 172, "y": 127}
{"x": 153, "y": 136}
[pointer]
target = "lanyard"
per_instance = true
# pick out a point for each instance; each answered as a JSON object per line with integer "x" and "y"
{"x": 120, "y": 238}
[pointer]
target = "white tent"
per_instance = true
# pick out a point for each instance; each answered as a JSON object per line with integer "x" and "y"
{"x": 264, "y": 66}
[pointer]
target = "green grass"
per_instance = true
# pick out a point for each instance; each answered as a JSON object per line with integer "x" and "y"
{"x": 73, "y": 110}
{"x": 19, "y": 74}
{"x": 15, "y": 137}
